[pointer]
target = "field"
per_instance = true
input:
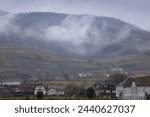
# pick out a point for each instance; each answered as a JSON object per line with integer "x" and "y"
{"x": 16, "y": 62}
{"x": 23, "y": 63}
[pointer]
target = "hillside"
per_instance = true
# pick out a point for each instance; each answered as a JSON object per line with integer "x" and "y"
{"x": 52, "y": 43}
{"x": 134, "y": 64}
{"x": 83, "y": 35}
{"x": 24, "y": 63}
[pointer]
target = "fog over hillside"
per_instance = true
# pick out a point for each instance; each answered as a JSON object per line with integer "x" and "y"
{"x": 84, "y": 35}
{"x": 54, "y": 43}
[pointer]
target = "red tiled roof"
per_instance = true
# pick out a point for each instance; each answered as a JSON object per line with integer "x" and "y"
{"x": 139, "y": 81}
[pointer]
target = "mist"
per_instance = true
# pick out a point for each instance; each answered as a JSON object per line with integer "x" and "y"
{"x": 76, "y": 34}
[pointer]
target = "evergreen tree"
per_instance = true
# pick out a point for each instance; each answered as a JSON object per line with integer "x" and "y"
{"x": 39, "y": 95}
{"x": 90, "y": 93}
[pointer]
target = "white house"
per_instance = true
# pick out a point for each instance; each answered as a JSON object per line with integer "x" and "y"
{"x": 52, "y": 91}
{"x": 56, "y": 91}
{"x": 11, "y": 83}
{"x": 82, "y": 75}
{"x": 40, "y": 88}
{"x": 134, "y": 89}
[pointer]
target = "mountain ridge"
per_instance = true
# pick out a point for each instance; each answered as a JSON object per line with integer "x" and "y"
{"x": 44, "y": 23}
{"x": 97, "y": 40}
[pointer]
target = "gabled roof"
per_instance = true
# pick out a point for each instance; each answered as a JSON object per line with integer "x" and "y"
{"x": 108, "y": 84}
{"x": 139, "y": 81}
{"x": 123, "y": 82}
{"x": 39, "y": 87}
{"x": 27, "y": 87}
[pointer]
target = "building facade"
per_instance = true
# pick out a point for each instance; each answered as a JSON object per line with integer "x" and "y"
{"x": 56, "y": 91}
{"x": 40, "y": 88}
{"x": 134, "y": 89}
{"x": 105, "y": 89}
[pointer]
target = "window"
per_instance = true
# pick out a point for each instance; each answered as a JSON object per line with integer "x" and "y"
{"x": 133, "y": 90}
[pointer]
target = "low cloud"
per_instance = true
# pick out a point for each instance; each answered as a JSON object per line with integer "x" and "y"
{"x": 73, "y": 30}
{"x": 77, "y": 34}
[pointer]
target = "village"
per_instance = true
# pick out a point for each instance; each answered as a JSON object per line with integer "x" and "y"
{"x": 122, "y": 87}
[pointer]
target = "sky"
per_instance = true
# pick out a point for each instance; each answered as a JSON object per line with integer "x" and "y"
{"x": 132, "y": 11}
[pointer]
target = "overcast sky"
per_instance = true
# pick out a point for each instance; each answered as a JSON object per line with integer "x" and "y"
{"x": 133, "y": 11}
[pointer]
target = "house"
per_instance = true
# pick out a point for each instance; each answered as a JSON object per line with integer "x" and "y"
{"x": 11, "y": 83}
{"x": 134, "y": 89}
{"x": 41, "y": 89}
{"x": 8, "y": 88}
{"x": 105, "y": 89}
{"x": 27, "y": 88}
{"x": 83, "y": 75}
{"x": 56, "y": 90}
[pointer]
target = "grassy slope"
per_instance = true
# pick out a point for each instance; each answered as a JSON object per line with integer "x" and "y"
{"x": 136, "y": 64}
{"x": 16, "y": 61}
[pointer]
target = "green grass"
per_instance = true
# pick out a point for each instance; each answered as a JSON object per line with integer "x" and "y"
{"x": 15, "y": 61}
{"x": 55, "y": 98}
{"x": 135, "y": 64}
{"x": 78, "y": 82}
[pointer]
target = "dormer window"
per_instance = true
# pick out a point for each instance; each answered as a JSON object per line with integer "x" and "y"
{"x": 133, "y": 88}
